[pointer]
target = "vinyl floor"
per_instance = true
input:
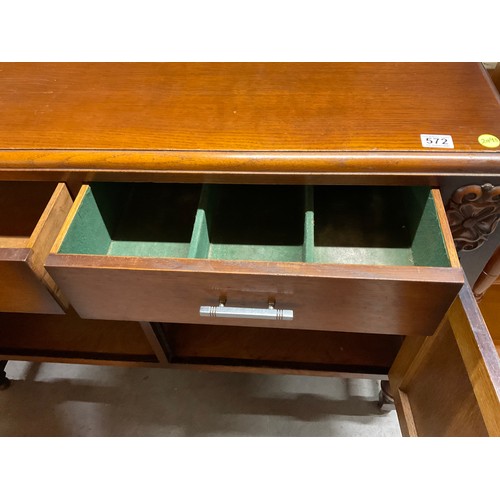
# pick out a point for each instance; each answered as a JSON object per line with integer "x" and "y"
{"x": 50, "y": 399}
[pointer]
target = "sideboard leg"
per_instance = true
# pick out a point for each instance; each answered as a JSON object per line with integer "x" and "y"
{"x": 4, "y": 381}
{"x": 385, "y": 398}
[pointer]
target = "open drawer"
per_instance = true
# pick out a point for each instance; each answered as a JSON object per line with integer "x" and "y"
{"x": 332, "y": 258}
{"x": 31, "y": 216}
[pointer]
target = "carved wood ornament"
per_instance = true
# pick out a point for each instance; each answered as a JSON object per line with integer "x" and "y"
{"x": 473, "y": 213}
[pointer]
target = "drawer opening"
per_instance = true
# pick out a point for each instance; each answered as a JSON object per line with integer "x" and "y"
{"x": 381, "y": 225}
{"x": 21, "y": 206}
{"x": 143, "y": 220}
{"x": 278, "y": 348}
{"x": 237, "y": 222}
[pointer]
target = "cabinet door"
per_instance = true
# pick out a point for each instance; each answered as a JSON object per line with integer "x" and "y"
{"x": 449, "y": 384}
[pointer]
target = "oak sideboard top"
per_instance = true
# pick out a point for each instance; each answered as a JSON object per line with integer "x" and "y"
{"x": 289, "y": 118}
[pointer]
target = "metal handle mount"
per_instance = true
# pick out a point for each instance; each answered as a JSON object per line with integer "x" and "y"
{"x": 222, "y": 311}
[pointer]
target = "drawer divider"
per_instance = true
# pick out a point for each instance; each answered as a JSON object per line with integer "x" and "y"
{"x": 200, "y": 240}
{"x": 308, "y": 248}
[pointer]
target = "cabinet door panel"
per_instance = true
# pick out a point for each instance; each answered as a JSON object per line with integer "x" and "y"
{"x": 449, "y": 384}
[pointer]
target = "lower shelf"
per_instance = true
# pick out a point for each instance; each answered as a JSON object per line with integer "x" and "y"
{"x": 304, "y": 350}
{"x": 68, "y": 338}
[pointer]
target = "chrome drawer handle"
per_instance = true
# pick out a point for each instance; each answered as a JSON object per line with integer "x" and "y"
{"x": 222, "y": 311}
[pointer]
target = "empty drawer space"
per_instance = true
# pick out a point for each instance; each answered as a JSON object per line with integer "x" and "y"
{"x": 380, "y": 225}
{"x": 144, "y": 220}
{"x": 250, "y": 223}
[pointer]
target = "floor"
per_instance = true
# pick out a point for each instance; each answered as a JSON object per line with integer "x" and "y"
{"x": 47, "y": 399}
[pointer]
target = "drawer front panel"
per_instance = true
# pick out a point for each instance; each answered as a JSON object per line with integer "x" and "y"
{"x": 21, "y": 290}
{"x": 333, "y": 298}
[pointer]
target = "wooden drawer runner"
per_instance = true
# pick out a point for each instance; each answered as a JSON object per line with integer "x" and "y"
{"x": 343, "y": 258}
{"x": 31, "y": 216}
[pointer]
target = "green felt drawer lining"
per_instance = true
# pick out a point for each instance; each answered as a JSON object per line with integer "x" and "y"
{"x": 323, "y": 224}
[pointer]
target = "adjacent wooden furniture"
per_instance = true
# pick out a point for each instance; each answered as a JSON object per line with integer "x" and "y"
{"x": 31, "y": 215}
{"x": 281, "y": 218}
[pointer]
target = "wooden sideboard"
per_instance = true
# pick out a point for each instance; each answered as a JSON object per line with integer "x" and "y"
{"x": 277, "y": 218}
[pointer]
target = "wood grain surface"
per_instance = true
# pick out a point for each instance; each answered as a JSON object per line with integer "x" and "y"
{"x": 439, "y": 394}
{"x": 245, "y": 117}
{"x": 350, "y": 298}
{"x": 21, "y": 290}
{"x": 45, "y": 233}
